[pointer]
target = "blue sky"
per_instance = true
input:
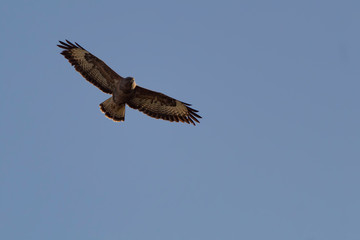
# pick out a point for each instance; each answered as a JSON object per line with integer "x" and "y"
{"x": 276, "y": 155}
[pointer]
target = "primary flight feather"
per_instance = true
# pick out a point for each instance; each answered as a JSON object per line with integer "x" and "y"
{"x": 124, "y": 90}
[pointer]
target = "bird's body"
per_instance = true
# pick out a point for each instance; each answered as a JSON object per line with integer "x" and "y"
{"x": 124, "y": 90}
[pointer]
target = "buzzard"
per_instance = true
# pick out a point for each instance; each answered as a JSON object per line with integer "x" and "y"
{"x": 124, "y": 90}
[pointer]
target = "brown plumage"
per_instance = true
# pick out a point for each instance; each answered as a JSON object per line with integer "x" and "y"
{"x": 125, "y": 91}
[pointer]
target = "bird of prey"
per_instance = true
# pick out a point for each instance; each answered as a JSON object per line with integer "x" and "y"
{"x": 124, "y": 90}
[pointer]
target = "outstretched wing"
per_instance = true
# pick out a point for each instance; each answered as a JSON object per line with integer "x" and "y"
{"x": 90, "y": 67}
{"x": 158, "y": 105}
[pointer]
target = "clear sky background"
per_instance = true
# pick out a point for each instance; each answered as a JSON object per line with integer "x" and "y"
{"x": 276, "y": 155}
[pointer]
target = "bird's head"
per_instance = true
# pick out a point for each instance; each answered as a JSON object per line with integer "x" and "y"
{"x": 130, "y": 82}
{"x": 127, "y": 84}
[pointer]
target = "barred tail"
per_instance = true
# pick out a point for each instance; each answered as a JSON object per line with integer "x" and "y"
{"x": 112, "y": 110}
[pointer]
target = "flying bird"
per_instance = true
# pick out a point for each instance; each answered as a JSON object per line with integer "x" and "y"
{"x": 124, "y": 90}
